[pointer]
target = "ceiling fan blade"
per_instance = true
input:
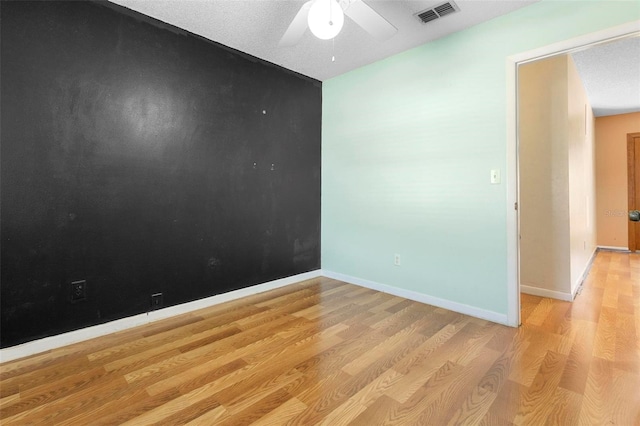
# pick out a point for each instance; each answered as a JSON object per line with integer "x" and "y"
{"x": 297, "y": 27}
{"x": 369, "y": 20}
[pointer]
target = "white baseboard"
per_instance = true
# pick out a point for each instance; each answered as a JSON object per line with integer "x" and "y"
{"x": 53, "y": 342}
{"x": 420, "y": 297}
{"x": 543, "y": 292}
{"x": 585, "y": 273}
{"x": 613, "y": 248}
{"x": 552, "y": 294}
{"x": 57, "y": 341}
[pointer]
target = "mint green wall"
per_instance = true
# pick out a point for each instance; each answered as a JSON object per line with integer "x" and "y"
{"x": 407, "y": 147}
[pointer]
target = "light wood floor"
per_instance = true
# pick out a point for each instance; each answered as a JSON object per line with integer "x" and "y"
{"x": 325, "y": 352}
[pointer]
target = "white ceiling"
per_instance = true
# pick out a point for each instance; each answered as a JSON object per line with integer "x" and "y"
{"x": 256, "y": 26}
{"x": 610, "y": 72}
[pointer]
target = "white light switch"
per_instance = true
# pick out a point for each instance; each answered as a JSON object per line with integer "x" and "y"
{"x": 495, "y": 176}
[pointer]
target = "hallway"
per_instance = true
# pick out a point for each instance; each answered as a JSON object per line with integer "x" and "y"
{"x": 589, "y": 349}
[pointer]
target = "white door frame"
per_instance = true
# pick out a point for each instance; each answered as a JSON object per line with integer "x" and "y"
{"x": 513, "y": 216}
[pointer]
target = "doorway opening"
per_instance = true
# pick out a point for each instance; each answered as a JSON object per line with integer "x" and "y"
{"x": 633, "y": 188}
{"x": 513, "y": 146}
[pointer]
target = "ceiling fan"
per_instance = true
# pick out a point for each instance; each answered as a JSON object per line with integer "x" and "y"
{"x": 325, "y": 19}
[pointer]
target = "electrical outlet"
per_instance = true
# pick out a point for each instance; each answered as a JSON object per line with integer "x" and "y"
{"x": 156, "y": 301}
{"x": 78, "y": 291}
{"x": 396, "y": 259}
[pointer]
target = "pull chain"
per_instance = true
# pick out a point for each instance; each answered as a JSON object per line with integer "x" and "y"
{"x": 333, "y": 56}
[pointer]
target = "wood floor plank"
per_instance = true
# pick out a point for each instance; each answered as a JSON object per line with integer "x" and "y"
{"x": 627, "y": 354}
{"x": 410, "y": 411}
{"x": 210, "y": 417}
{"x": 588, "y": 305}
{"x": 439, "y": 411}
{"x": 624, "y": 402}
{"x": 574, "y": 376}
{"x": 9, "y": 400}
{"x": 565, "y": 407}
{"x": 605, "y": 342}
{"x": 555, "y": 320}
{"x": 390, "y": 344}
{"x": 388, "y": 303}
{"x": 178, "y": 362}
{"x": 165, "y": 336}
{"x": 256, "y": 410}
{"x": 599, "y": 385}
{"x": 528, "y": 303}
{"x": 242, "y": 394}
{"x": 68, "y": 406}
{"x": 536, "y": 402}
{"x": 474, "y": 407}
{"x": 610, "y": 295}
{"x": 196, "y": 377}
{"x": 529, "y": 362}
{"x": 121, "y": 408}
{"x": 164, "y": 332}
{"x": 48, "y": 374}
{"x": 337, "y": 356}
{"x": 281, "y": 414}
{"x": 350, "y": 385}
{"x": 359, "y": 402}
{"x": 506, "y": 406}
{"x": 49, "y": 392}
{"x": 327, "y": 352}
{"x": 541, "y": 311}
{"x": 197, "y": 397}
{"x": 420, "y": 365}
{"x": 320, "y": 395}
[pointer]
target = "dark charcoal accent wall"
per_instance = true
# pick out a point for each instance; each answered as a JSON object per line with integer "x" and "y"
{"x": 128, "y": 152}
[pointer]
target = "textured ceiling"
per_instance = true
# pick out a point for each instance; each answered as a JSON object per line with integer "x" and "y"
{"x": 611, "y": 76}
{"x": 610, "y": 72}
{"x": 256, "y": 26}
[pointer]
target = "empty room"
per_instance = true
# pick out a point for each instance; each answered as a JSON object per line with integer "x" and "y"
{"x": 335, "y": 212}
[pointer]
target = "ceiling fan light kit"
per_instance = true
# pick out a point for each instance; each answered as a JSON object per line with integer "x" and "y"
{"x": 325, "y": 19}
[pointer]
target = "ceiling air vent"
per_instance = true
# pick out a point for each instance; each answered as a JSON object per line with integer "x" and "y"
{"x": 437, "y": 12}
